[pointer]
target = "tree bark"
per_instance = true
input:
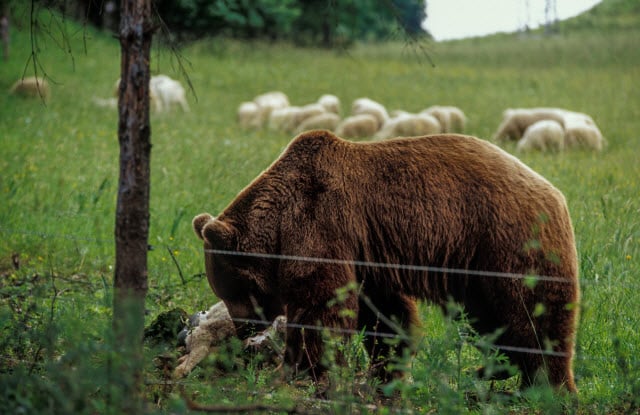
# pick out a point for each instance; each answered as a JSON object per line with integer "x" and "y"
{"x": 4, "y": 29}
{"x": 132, "y": 211}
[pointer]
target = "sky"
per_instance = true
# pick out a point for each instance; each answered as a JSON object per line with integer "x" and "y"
{"x": 456, "y": 19}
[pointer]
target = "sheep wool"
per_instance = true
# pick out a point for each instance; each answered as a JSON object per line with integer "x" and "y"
{"x": 409, "y": 125}
{"x": 215, "y": 327}
{"x": 31, "y": 87}
{"x": 358, "y": 126}
{"x": 331, "y": 103}
{"x": 169, "y": 93}
{"x": 582, "y": 132}
{"x": 325, "y": 121}
{"x": 249, "y": 115}
{"x": 452, "y": 119}
{"x": 516, "y": 120}
{"x": 369, "y": 106}
{"x": 544, "y": 135}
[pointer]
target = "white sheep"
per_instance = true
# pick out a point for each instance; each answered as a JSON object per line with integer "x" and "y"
{"x": 409, "y": 125}
{"x": 249, "y": 115}
{"x": 516, "y": 120}
{"x": 325, "y": 121}
{"x": 369, "y": 106}
{"x": 331, "y": 103}
{"x": 272, "y": 100}
{"x": 358, "y": 126}
{"x": 544, "y": 135}
{"x": 452, "y": 119}
{"x": 288, "y": 119}
{"x": 582, "y": 132}
{"x": 169, "y": 92}
{"x": 31, "y": 87}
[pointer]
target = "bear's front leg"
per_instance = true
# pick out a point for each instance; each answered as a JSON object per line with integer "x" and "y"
{"x": 308, "y": 326}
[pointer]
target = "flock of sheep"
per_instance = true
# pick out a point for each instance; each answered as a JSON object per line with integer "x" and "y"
{"x": 164, "y": 92}
{"x": 541, "y": 129}
{"x": 367, "y": 118}
{"x": 534, "y": 129}
{"x": 549, "y": 129}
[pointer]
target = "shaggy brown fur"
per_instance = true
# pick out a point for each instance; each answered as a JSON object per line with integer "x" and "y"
{"x": 444, "y": 200}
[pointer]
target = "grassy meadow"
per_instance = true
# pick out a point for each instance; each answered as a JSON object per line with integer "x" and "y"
{"x": 58, "y": 186}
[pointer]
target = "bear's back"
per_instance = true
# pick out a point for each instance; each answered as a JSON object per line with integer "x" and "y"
{"x": 434, "y": 158}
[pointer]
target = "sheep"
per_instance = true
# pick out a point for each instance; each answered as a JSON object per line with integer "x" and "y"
{"x": 31, "y": 87}
{"x": 409, "y": 125}
{"x": 169, "y": 92}
{"x": 272, "y": 100}
{"x": 543, "y": 135}
{"x": 209, "y": 329}
{"x": 581, "y": 132}
{"x": 331, "y": 103}
{"x": 357, "y": 126}
{"x": 249, "y": 115}
{"x": 325, "y": 121}
{"x": 289, "y": 118}
{"x": 516, "y": 120}
{"x": 369, "y": 106}
{"x": 452, "y": 119}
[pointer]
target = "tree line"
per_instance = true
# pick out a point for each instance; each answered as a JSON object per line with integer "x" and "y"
{"x": 325, "y": 23}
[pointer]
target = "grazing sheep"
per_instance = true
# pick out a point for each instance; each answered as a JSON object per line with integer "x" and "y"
{"x": 272, "y": 100}
{"x": 581, "y": 132}
{"x": 544, "y": 135}
{"x": 409, "y": 125}
{"x": 369, "y": 106}
{"x": 169, "y": 92}
{"x": 457, "y": 118}
{"x": 452, "y": 119}
{"x": 331, "y": 103}
{"x": 358, "y": 126}
{"x": 325, "y": 121}
{"x": 249, "y": 115}
{"x": 289, "y": 118}
{"x": 209, "y": 329}
{"x": 31, "y": 87}
{"x": 516, "y": 120}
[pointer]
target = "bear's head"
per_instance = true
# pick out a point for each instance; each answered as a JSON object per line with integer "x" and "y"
{"x": 236, "y": 277}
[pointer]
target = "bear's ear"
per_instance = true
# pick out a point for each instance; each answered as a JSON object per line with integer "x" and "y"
{"x": 199, "y": 222}
{"x": 220, "y": 234}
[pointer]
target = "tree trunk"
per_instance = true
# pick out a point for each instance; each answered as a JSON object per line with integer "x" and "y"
{"x": 4, "y": 29}
{"x": 132, "y": 211}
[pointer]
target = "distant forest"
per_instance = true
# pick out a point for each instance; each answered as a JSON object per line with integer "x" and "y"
{"x": 325, "y": 23}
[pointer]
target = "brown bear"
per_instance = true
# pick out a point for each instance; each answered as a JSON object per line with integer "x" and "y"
{"x": 464, "y": 218}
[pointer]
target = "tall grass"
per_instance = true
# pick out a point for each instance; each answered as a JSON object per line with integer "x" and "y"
{"x": 58, "y": 186}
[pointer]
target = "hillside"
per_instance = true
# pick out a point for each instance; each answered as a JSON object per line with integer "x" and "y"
{"x": 609, "y": 15}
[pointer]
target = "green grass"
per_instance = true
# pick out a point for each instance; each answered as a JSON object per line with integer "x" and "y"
{"x": 58, "y": 184}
